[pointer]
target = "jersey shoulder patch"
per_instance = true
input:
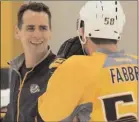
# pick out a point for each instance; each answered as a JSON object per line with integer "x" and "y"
{"x": 56, "y": 63}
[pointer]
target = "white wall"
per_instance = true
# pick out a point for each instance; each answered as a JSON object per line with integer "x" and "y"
{"x": 129, "y": 38}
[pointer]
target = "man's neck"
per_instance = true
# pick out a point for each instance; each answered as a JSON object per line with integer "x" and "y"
{"x": 31, "y": 60}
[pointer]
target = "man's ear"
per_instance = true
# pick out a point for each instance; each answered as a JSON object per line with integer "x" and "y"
{"x": 81, "y": 30}
{"x": 84, "y": 38}
{"x": 17, "y": 33}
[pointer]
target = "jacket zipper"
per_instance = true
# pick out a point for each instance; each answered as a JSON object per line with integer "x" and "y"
{"x": 20, "y": 89}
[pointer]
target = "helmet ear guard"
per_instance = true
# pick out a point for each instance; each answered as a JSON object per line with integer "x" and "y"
{"x": 80, "y": 24}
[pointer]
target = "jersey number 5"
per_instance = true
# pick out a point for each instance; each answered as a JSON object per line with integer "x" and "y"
{"x": 110, "y": 107}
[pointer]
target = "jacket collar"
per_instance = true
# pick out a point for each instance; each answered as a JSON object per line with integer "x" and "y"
{"x": 17, "y": 62}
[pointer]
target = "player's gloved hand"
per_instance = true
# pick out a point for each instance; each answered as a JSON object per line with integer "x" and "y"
{"x": 70, "y": 47}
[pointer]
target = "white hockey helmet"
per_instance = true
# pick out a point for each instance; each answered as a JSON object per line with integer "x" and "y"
{"x": 102, "y": 19}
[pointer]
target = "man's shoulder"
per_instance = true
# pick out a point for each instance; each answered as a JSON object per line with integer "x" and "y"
{"x": 78, "y": 62}
{"x": 73, "y": 60}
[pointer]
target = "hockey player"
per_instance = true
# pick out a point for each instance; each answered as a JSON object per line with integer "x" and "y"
{"x": 101, "y": 86}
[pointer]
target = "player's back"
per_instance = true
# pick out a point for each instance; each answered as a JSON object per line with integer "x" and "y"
{"x": 113, "y": 88}
{"x": 97, "y": 88}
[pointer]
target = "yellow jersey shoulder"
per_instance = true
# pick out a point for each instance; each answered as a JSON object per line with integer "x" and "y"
{"x": 82, "y": 60}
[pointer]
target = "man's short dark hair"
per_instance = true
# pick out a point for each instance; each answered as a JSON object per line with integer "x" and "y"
{"x": 37, "y": 7}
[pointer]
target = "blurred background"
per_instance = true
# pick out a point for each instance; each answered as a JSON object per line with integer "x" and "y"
{"x": 64, "y": 16}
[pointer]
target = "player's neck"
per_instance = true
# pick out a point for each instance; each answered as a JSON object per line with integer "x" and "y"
{"x": 110, "y": 47}
{"x": 91, "y": 47}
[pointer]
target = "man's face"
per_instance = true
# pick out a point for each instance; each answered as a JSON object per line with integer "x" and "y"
{"x": 35, "y": 32}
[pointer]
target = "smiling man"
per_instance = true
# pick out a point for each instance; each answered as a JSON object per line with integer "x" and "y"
{"x": 29, "y": 72}
{"x": 34, "y": 31}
